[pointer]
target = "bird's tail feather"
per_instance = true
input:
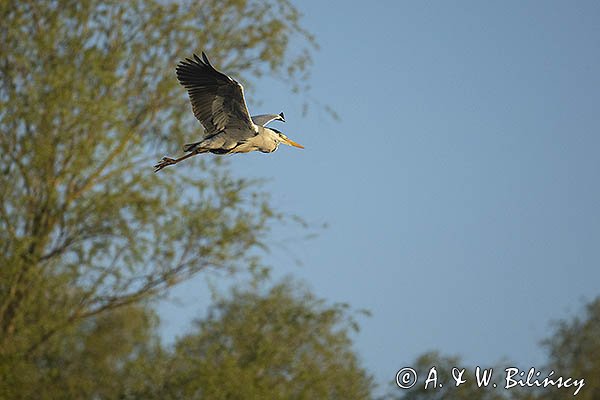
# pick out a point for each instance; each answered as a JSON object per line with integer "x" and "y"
{"x": 191, "y": 146}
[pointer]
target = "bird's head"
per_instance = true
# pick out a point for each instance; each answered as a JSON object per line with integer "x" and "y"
{"x": 281, "y": 138}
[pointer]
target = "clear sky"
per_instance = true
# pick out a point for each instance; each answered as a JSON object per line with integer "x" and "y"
{"x": 461, "y": 185}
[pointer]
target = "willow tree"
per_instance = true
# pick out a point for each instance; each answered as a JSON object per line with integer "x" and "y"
{"x": 282, "y": 344}
{"x": 573, "y": 352}
{"x": 87, "y": 91}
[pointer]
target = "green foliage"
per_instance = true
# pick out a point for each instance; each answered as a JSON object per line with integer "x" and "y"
{"x": 98, "y": 358}
{"x": 573, "y": 352}
{"x": 87, "y": 91}
{"x": 280, "y": 344}
{"x": 285, "y": 344}
{"x": 89, "y": 235}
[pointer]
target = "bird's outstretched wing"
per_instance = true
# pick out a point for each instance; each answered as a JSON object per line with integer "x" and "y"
{"x": 264, "y": 119}
{"x": 217, "y": 100}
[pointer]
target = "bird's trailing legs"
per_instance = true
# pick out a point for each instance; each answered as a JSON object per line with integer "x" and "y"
{"x": 166, "y": 161}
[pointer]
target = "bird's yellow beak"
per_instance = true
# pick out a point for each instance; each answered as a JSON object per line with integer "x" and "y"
{"x": 290, "y": 142}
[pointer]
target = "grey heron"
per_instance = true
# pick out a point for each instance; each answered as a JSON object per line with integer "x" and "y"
{"x": 218, "y": 103}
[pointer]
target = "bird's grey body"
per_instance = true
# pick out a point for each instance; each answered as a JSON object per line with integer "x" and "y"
{"x": 218, "y": 103}
{"x": 235, "y": 141}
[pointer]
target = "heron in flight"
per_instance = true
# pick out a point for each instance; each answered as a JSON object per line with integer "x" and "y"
{"x": 218, "y": 103}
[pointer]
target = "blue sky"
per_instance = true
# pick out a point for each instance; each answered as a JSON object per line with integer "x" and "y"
{"x": 460, "y": 187}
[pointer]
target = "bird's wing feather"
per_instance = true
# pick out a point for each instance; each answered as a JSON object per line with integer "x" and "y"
{"x": 264, "y": 119}
{"x": 217, "y": 100}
